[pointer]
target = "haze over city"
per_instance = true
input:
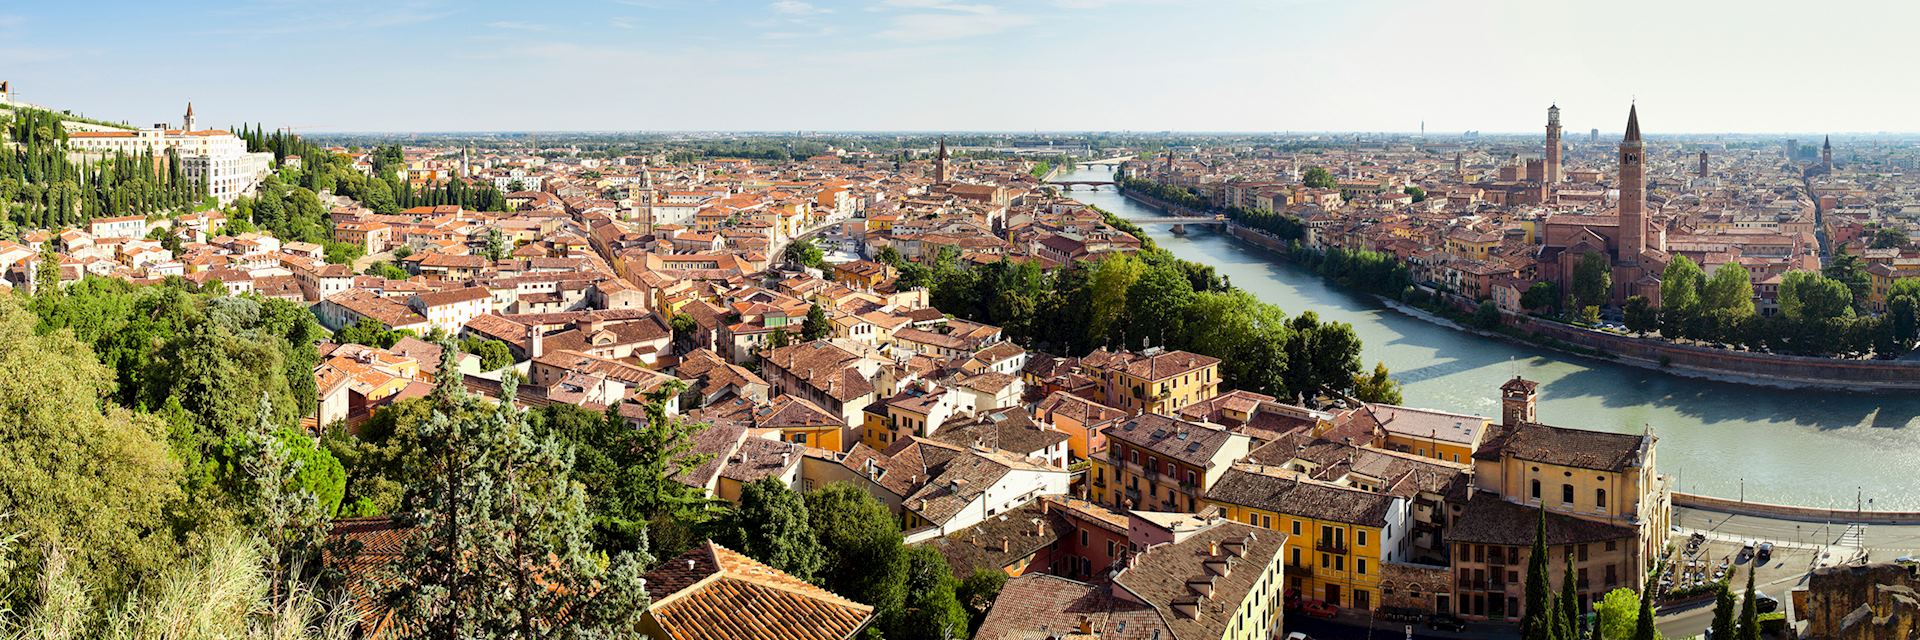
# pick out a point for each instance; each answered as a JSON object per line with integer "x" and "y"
{"x": 1066, "y": 65}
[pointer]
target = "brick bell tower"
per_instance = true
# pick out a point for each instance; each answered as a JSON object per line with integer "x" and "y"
{"x": 1553, "y": 144}
{"x": 1633, "y": 191}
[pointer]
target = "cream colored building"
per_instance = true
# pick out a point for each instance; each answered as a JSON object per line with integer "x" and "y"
{"x": 217, "y": 157}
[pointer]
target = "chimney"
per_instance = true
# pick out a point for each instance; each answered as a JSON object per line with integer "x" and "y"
{"x": 1005, "y": 546}
{"x": 1039, "y": 527}
{"x": 1213, "y": 548}
{"x": 1086, "y": 625}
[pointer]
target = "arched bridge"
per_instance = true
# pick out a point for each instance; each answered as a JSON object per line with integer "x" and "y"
{"x": 1068, "y": 185}
{"x": 1178, "y": 220}
{"x": 1106, "y": 161}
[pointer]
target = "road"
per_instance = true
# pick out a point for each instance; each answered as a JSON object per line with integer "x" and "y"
{"x": 1882, "y": 541}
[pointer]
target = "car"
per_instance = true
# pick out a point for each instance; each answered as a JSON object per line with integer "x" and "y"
{"x": 1445, "y": 622}
{"x": 1764, "y": 603}
{"x": 1319, "y": 609}
{"x": 1298, "y": 636}
{"x": 1764, "y": 554}
{"x": 1290, "y": 598}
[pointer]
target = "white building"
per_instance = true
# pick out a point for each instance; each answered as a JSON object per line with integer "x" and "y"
{"x": 217, "y": 157}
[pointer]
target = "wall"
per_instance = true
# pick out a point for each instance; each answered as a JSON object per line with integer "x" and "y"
{"x": 1765, "y": 367}
{"x": 1788, "y": 512}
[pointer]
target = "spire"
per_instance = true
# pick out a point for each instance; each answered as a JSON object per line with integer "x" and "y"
{"x": 189, "y": 108}
{"x": 1633, "y": 124}
{"x": 1828, "y": 144}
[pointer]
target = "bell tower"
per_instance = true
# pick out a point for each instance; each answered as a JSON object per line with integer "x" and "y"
{"x": 1517, "y": 400}
{"x": 1553, "y": 144}
{"x": 1633, "y": 191}
{"x": 187, "y": 124}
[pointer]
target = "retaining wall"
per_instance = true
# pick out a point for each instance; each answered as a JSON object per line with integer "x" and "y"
{"x": 1788, "y": 512}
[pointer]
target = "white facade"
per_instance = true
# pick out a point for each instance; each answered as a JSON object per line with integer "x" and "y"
{"x": 217, "y": 157}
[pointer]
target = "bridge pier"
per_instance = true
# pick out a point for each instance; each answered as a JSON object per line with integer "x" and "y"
{"x": 1178, "y": 230}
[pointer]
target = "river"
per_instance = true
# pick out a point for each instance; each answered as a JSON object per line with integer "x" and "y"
{"x": 1792, "y": 446}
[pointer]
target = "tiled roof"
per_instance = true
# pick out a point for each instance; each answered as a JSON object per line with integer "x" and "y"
{"x": 712, "y": 593}
{"x": 1188, "y": 442}
{"x": 1287, "y": 493}
{"x": 1488, "y": 519}
{"x": 1161, "y": 576}
{"x": 1579, "y": 448}
{"x": 997, "y": 543}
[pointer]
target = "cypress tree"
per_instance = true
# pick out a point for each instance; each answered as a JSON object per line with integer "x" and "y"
{"x": 1749, "y": 614}
{"x": 1643, "y": 627}
{"x": 1723, "y": 615}
{"x": 1570, "y": 603}
{"x": 1537, "y": 623}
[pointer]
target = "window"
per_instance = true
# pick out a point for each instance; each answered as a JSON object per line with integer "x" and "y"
{"x": 1325, "y": 561}
{"x": 1083, "y": 537}
{"x": 1110, "y": 549}
{"x": 1339, "y": 563}
{"x": 1296, "y": 527}
{"x": 1566, "y": 493}
{"x": 1360, "y": 566}
{"x": 1612, "y": 545}
{"x": 1536, "y": 489}
{"x": 1600, "y": 499}
{"x": 1582, "y": 553}
{"x": 1359, "y": 538}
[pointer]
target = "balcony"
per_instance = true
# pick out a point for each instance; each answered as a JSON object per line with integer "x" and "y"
{"x": 1301, "y": 570}
{"x": 1331, "y": 546}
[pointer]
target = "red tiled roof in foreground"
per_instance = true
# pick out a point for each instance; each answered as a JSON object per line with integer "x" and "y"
{"x": 712, "y": 593}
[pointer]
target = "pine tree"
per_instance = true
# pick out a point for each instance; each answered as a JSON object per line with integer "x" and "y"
{"x": 1723, "y": 615}
{"x": 501, "y": 545}
{"x": 1536, "y": 623}
{"x": 816, "y": 326}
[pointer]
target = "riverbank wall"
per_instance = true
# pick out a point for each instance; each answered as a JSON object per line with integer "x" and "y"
{"x": 1789, "y": 512}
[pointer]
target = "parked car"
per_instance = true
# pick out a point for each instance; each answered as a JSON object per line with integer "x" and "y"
{"x": 1298, "y": 636}
{"x": 1445, "y": 622}
{"x": 1764, "y": 554}
{"x": 1319, "y": 608}
{"x": 1764, "y": 603}
{"x": 1290, "y": 598}
{"x": 1746, "y": 551}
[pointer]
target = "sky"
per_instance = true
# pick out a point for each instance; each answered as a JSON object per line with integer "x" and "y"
{"x": 1692, "y": 66}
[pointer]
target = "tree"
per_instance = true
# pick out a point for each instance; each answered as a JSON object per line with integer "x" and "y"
{"x": 803, "y": 252}
{"x": 1161, "y": 287}
{"x": 978, "y": 592}
{"x": 1730, "y": 289}
{"x": 493, "y": 353}
{"x": 1486, "y": 316}
{"x": 95, "y": 481}
{"x": 771, "y": 526}
{"x": 290, "y": 516}
{"x": 930, "y": 609}
{"x": 1643, "y": 628}
{"x": 1889, "y": 238}
{"x": 1541, "y": 296}
{"x": 630, "y": 467}
{"x": 1723, "y": 614}
{"x": 496, "y": 247}
{"x": 500, "y": 541}
{"x": 1849, "y": 270}
{"x": 1641, "y": 317}
{"x": 1318, "y": 178}
{"x": 778, "y": 339}
{"x": 1592, "y": 280}
{"x": 1749, "y": 628}
{"x": 1805, "y": 295}
{"x": 816, "y": 326}
{"x": 865, "y": 560}
{"x": 1378, "y": 388}
{"x": 1618, "y": 614}
{"x": 1536, "y": 622}
{"x": 1569, "y": 603}
{"x": 1680, "y": 285}
{"x": 1419, "y": 194}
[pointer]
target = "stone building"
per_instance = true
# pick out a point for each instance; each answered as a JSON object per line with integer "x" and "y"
{"x": 1863, "y": 602}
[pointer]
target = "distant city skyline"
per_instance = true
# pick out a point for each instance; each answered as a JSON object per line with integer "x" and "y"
{"x": 928, "y": 65}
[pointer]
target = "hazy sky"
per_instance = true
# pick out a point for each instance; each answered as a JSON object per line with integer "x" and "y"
{"x": 1140, "y": 65}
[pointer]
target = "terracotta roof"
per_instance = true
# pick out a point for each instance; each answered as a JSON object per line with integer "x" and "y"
{"x": 1163, "y": 576}
{"x": 1188, "y": 442}
{"x": 712, "y": 593}
{"x": 1579, "y": 448}
{"x": 1487, "y": 519}
{"x": 1288, "y": 493}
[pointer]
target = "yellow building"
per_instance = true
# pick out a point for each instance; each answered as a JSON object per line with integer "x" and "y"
{"x": 1157, "y": 463}
{"x": 1081, "y": 419}
{"x": 802, "y": 423}
{"x": 1153, "y": 382}
{"x": 1338, "y": 537}
{"x": 1452, "y": 437}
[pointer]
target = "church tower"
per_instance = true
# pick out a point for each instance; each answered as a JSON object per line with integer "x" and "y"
{"x": 1703, "y": 164}
{"x": 1633, "y": 191}
{"x": 1826, "y": 153}
{"x": 188, "y": 123}
{"x": 1553, "y": 144}
{"x": 940, "y": 163}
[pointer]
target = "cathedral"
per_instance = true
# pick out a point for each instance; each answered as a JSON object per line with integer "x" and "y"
{"x": 1632, "y": 242}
